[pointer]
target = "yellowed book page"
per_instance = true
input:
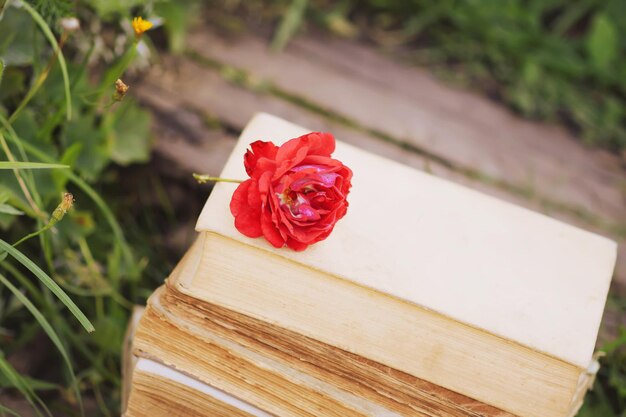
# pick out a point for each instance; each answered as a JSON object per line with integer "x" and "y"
{"x": 128, "y": 359}
{"x": 495, "y": 266}
{"x": 258, "y": 380}
{"x": 385, "y": 329}
{"x": 393, "y": 389}
{"x": 159, "y": 391}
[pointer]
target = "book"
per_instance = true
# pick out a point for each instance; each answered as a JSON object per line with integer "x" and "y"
{"x": 129, "y": 360}
{"x": 152, "y": 389}
{"x": 453, "y": 291}
{"x": 281, "y": 372}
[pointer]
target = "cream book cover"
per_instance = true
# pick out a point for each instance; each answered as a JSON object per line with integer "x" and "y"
{"x": 478, "y": 260}
{"x": 473, "y": 294}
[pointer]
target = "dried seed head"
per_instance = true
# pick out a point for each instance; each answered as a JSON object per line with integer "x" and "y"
{"x": 120, "y": 90}
{"x": 66, "y": 203}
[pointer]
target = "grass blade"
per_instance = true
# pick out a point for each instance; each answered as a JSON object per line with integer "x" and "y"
{"x": 48, "y": 282}
{"x": 1, "y": 70}
{"x": 18, "y": 382}
{"x": 7, "y": 209}
{"x": 45, "y": 325}
{"x": 289, "y": 25}
{"x": 30, "y": 165}
{"x": 35, "y": 384}
{"x": 6, "y": 410}
{"x": 55, "y": 46}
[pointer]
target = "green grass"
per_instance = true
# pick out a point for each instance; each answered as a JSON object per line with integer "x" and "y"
{"x": 73, "y": 271}
{"x": 553, "y": 60}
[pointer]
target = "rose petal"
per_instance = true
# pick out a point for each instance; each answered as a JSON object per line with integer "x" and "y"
{"x": 254, "y": 198}
{"x": 247, "y": 215}
{"x": 263, "y": 166}
{"x": 289, "y": 149}
{"x": 249, "y": 224}
{"x": 321, "y": 143}
{"x": 286, "y": 164}
{"x": 265, "y": 183}
{"x": 270, "y": 232}
{"x": 321, "y": 160}
{"x": 259, "y": 150}
{"x": 240, "y": 197}
{"x": 295, "y": 245}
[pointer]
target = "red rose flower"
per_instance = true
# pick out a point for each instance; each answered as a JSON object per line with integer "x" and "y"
{"x": 296, "y": 192}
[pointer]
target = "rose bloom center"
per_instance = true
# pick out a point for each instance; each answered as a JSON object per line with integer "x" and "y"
{"x": 303, "y": 195}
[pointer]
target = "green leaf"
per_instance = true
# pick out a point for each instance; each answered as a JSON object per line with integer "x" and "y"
{"x": 81, "y": 223}
{"x": 109, "y": 336}
{"x": 71, "y": 154}
{"x": 7, "y": 209}
{"x": 14, "y": 82}
{"x": 602, "y": 42}
{"x": 86, "y": 146}
{"x": 30, "y": 165}
{"x": 1, "y": 70}
{"x": 48, "y": 282}
{"x": 128, "y": 134}
{"x": 18, "y": 43}
{"x": 5, "y": 194}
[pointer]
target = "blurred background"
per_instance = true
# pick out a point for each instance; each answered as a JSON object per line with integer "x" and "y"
{"x": 523, "y": 100}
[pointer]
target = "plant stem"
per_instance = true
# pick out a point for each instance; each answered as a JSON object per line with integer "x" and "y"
{"x": 37, "y": 233}
{"x": 202, "y": 179}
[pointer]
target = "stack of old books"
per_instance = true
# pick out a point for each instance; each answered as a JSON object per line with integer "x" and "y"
{"x": 429, "y": 299}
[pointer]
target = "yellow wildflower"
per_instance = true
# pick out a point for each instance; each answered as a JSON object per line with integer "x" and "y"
{"x": 140, "y": 26}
